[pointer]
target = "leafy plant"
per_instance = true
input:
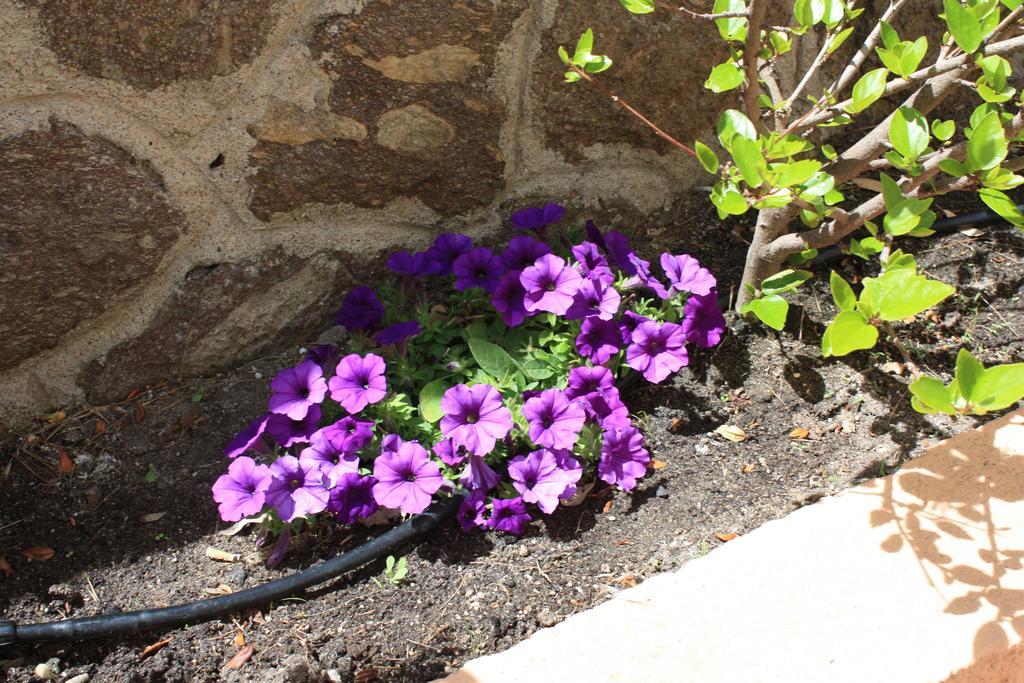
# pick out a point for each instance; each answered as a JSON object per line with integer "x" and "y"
{"x": 771, "y": 159}
{"x": 975, "y": 389}
{"x": 394, "y": 572}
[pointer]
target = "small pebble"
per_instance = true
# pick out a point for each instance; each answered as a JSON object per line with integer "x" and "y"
{"x": 80, "y": 678}
{"x": 661, "y": 492}
{"x": 546, "y": 618}
{"x": 507, "y": 581}
{"x": 236, "y": 577}
{"x": 334, "y": 676}
{"x": 44, "y": 672}
{"x": 523, "y": 551}
{"x": 65, "y": 592}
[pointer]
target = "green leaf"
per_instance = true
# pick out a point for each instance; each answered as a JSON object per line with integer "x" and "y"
{"x": 931, "y": 396}
{"x": 964, "y": 25}
{"x": 809, "y": 12}
{"x": 585, "y": 44}
{"x": 842, "y": 292}
{"x": 1003, "y": 205}
{"x": 749, "y": 160}
{"x": 724, "y": 77}
{"x": 771, "y": 310}
{"x": 734, "y": 28}
{"x": 996, "y": 71}
{"x": 708, "y": 159}
{"x": 796, "y": 172}
{"x": 867, "y": 90}
{"x": 908, "y": 132}
{"x": 491, "y": 358}
{"x": 865, "y": 248}
{"x": 987, "y": 146}
{"x": 849, "y": 332}
{"x": 430, "y": 400}
{"x": 728, "y": 200}
{"x": 638, "y": 6}
{"x": 899, "y": 294}
{"x": 943, "y": 130}
{"x": 1000, "y": 387}
{"x": 780, "y": 41}
{"x": 838, "y": 39}
{"x": 734, "y": 123}
{"x": 889, "y": 35}
{"x": 785, "y": 281}
{"x": 968, "y": 372}
{"x": 953, "y": 167}
{"x": 563, "y": 54}
{"x": 818, "y": 185}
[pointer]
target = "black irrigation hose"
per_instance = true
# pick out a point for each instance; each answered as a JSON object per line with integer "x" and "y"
{"x": 108, "y": 625}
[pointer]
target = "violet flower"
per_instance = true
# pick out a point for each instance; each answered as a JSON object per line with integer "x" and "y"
{"x": 348, "y": 434}
{"x": 536, "y": 217}
{"x": 644, "y": 277}
{"x": 332, "y": 461}
{"x": 657, "y": 351}
{"x": 472, "y": 511}
{"x": 360, "y": 310}
{"x": 412, "y": 267}
{"x": 508, "y": 299}
{"x": 288, "y": 432}
{"x": 478, "y": 267}
{"x": 406, "y": 478}
{"x": 685, "y": 274}
{"x": 542, "y": 478}
{"x": 398, "y": 333}
{"x": 554, "y": 420}
{"x": 474, "y": 417}
{"x": 550, "y": 285}
{"x": 590, "y": 263}
{"x": 249, "y": 439}
{"x": 607, "y": 409}
{"x": 617, "y": 248}
{"x": 599, "y": 340}
{"x": 359, "y": 381}
{"x": 242, "y": 491}
{"x": 295, "y": 390}
{"x": 449, "y": 453}
{"x": 298, "y": 488}
{"x": 446, "y": 248}
{"x": 594, "y": 297}
{"x": 478, "y": 475}
{"x": 509, "y": 516}
{"x": 522, "y": 251}
{"x": 391, "y": 443}
{"x": 584, "y": 381}
{"x": 703, "y": 322}
{"x": 594, "y": 234}
{"x": 623, "y": 457}
{"x": 324, "y": 355}
{"x": 352, "y": 498}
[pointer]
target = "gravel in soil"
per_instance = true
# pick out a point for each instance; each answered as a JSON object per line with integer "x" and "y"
{"x": 120, "y": 493}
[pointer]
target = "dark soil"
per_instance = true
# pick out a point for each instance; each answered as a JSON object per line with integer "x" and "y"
{"x": 469, "y": 595}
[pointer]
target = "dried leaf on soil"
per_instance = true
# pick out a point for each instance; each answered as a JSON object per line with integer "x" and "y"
{"x": 66, "y": 465}
{"x": 5, "y": 567}
{"x": 222, "y": 589}
{"x": 101, "y": 426}
{"x": 140, "y": 413}
{"x": 241, "y": 657}
{"x": 658, "y": 464}
{"x": 240, "y": 639}
{"x": 799, "y": 433}
{"x": 628, "y": 581}
{"x": 133, "y": 394}
{"x": 241, "y": 524}
{"x": 731, "y": 432}
{"x": 220, "y": 555}
{"x": 676, "y": 426}
{"x": 153, "y": 517}
{"x": 748, "y": 468}
{"x": 56, "y": 417}
{"x": 607, "y": 507}
{"x": 155, "y": 647}
{"x": 38, "y": 553}
{"x": 725, "y": 538}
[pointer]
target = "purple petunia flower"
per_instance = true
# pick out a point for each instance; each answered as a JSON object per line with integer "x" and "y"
{"x": 623, "y": 457}
{"x": 536, "y": 217}
{"x": 412, "y": 267}
{"x": 478, "y": 475}
{"x": 360, "y": 310}
{"x": 703, "y": 322}
{"x": 352, "y": 498}
{"x": 607, "y": 409}
{"x": 508, "y": 299}
{"x": 249, "y": 439}
{"x": 522, "y": 251}
{"x": 542, "y": 478}
{"x": 629, "y": 322}
{"x": 478, "y": 267}
{"x": 295, "y": 390}
{"x": 472, "y": 511}
{"x": 594, "y": 297}
{"x": 509, "y": 516}
{"x": 554, "y": 420}
{"x": 474, "y": 417}
{"x": 685, "y": 274}
{"x": 599, "y": 340}
{"x": 406, "y": 478}
{"x": 324, "y": 355}
{"x": 298, "y": 488}
{"x": 391, "y": 443}
{"x": 242, "y": 491}
{"x": 584, "y": 381}
{"x": 594, "y": 234}
{"x": 617, "y": 248}
{"x": 550, "y": 285}
{"x": 348, "y": 434}
{"x": 446, "y": 248}
{"x": 645, "y": 278}
{"x": 359, "y": 381}
{"x": 656, "y": 350}
{"x": 332, "y": 461}
{"x": 590, "y": 263}
{"x": 449, "y": 453}
{"x": 397, "y": 333}
{"x": 287, "y": 431}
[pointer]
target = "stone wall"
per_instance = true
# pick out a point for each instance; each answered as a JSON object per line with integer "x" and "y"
{"x": 187, "y": 183}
